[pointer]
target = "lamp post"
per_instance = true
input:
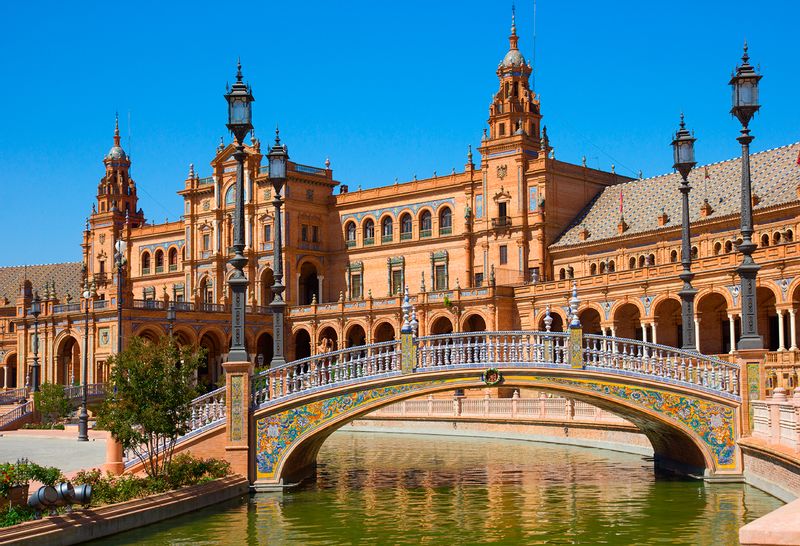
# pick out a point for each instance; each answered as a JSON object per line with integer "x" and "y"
{"x": 83, "y": 417}
{"x": 240, "y": 101}
{"x": 278, "y": 158}
{"x": 683, "y": 152}
{"x": 170, "y": 318}
{"x": 745, "y": 104}
{"x": 119, "y": 259}
{"x": 36, "y": 310}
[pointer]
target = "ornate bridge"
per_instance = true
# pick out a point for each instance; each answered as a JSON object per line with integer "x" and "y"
{"x": 273, "y": 423}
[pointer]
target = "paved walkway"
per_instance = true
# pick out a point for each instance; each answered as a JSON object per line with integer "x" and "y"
{"x": 59, "y": 448}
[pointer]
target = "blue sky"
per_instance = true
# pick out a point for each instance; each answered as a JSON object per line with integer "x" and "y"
{"x": 384, "y": 89}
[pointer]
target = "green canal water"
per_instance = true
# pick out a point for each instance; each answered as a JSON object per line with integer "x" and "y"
{"x": 413, "y": 489}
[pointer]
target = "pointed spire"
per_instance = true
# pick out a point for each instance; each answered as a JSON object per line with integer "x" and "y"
{"x": 745, "y": 56}
{"x": 469, "y": 154}
{"x": 277, "y": 135}
{"x": 513, "y": 39}
{"x": 221, "y": 145}
{"x": 116, "y": 129}
{"x": 191, "y": 171}
{"x": 238, "y": 69}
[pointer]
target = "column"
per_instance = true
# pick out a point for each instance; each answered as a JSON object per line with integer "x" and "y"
{"x": 732, "y": 332}
{"x": 644, "y": 332}
{"x": 319, "y": 287}
{"x": 781, "y": 336}
{"x": 653, "y": 325}
{"x": 237, "y": 400}
{"x": 792, "y": 330}
{"x": 697, "y": 331}
{"x": 5, "y": 376}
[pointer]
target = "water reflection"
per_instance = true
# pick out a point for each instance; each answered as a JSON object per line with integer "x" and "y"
{"x": 400, "y": 489}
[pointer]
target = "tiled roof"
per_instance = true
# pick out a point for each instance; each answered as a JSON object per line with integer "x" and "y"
{"x": 67, "y": 276}
{"x": 775, "y": 175}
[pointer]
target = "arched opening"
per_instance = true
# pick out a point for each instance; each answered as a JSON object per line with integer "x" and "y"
{"x": 11, "y": 365}
{"x": 593, "y": 269}
{"x": 562, "y": 274}
{"x": 159, "y": 261}
{"x": 387, "y": 225}
{"x": 668, "y": 323}
{"x": 405, "y": 226}
{"x": 556, "y": 325}
{"x": 474, "y": 323}
{"x": 308, "y": 284}
{"x": 765, "y": 240}
{"x": 328, "y": 340}
{"x": 302, "y": 344}
{"x": 590, "y": 321}
{"x": 425, "y": 223}
{"x": 768, "y": 318}
{"x": 68, "y": 362}
{"x": 728, "y": 247}
{"x": 714, "y": 331}
{"x": 350, "y": 233}
{"x": 673, "y": 257}
{"x": 206, "y": 290}
{"x": 611, "y": 267}
{"x": 384, "y": 332}
{"x": 628, "y": 322}
{"x": 173, "y": 259}
{"x": 717, "y": 248}
{"x": 369, "y": 231}
{"x": 267, "y": 280}
{"x": 264, "y": 345}
{"x": 631, "y": 263}
{"x": 442, "y": 325}
{"x": 145, "y": 263}
{"x": 445, "y": 221}
{"x": 355, "y": 336}
{"x": 641, "y": 261}
{"x": 209, "y": 370}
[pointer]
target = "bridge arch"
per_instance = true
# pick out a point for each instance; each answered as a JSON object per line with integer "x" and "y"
{"x": 676, "y": 445}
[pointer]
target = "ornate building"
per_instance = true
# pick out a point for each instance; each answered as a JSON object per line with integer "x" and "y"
{"x": 490, "y": 247}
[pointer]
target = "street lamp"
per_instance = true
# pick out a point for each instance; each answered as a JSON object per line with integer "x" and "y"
{"x": 83, "y": 417}
{"x": 119, "y": 260}
{"x": 171, "y": 317}
{"x": 683, "y": 151}
{"x": 239, "y": 123}
{"x": 745, "y": 104}
{"x": 278, "y": 158}
{"x": 36, "y": 310}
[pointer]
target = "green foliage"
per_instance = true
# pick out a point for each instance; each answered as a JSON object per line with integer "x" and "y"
{"x": 43, "y": 426}
{"x": 14, "y": 515}
{"x": 447, "y": 302}
{"x": 149, "y": 406}
{"x": 22, "y": 472}
{"x": 51, "y": 402}
{"x": 184, "y": 470}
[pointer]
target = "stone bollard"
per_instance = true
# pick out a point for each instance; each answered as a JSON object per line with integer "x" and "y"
{"x": 114, "y": 463}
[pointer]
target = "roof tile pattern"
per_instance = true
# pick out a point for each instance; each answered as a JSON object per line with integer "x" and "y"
{"x": 67, "y": 276}
{"x": 775, "y": 175}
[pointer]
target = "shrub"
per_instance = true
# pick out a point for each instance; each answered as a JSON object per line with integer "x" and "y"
{"x": 51, "y": 402}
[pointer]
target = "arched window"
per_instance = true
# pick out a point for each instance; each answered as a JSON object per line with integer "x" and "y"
{"x": 788, "y": 236}
{"x": 765, "y": 240}
{"x": 611, "y": 266}
{"x": 146, "y": 263}
{"x": 728, "y": 247}
{"x": 641, "y": 261}
{"x": 673, "y": 256}
{"x": 386, "y": 229}
{"x": 369, "y": 231}
{"x": 562, "y": 274}
{"x": 159, "y": 261}
{"x": 717, "y": 248}
{"x": 173, "y": 259}
{"x": 445, "y": 221}
{"x": 405, "y": 227}
{"x": 695, "y": 253}
{"x": 651, "y": 260}
{"x": 602, "y": 267}
{"x": 593, "y": 269}
{"x": 350, "y": 233}
{"x": 425, "y": 224}
{"x": 776, "y": 238}
{"x": 631, "y": 263}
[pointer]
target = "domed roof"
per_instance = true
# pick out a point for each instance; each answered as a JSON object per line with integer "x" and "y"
{"x": 513, "y": 58}
{"x": 116, "y": 152}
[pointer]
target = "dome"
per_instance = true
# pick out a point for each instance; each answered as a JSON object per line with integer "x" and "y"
{"x": 116, "y": 153}
{"x": 513, "y": 58}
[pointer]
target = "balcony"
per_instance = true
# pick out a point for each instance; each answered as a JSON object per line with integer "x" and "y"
{"x": 501, "y": 222}
{"x": 405, "y": 236}
{"x": 424, "y": 233}
{"x": 66, "y": 308}
{"x": 148, "y": 304}
{"x": 205, "y": 181}
{"x": 369, "y": 241}
{"x": 100, "y": 304}
{"x": 386, "y": 239}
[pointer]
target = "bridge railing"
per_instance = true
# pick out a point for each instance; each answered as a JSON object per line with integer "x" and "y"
{"x": 76, "y": 391}
{"x": 326, "y": 369}
{"x": 667, "y": 364}
{"x": 545, "y": 349}
{"x": 17, "y": 413}
{"x": 11, "y": 396}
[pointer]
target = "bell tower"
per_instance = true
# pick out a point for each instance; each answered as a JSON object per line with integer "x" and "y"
{"x": 515, "y": 108}
{"x": 116, "y": 192}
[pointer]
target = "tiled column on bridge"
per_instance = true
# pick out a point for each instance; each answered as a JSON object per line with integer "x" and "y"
{"x": 237, "y": 404}
{"x": 751, "y": 382}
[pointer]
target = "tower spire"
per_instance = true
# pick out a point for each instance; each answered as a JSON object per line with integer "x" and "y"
{"x": 513, "y": 39}
{"x": 116, "y": 129}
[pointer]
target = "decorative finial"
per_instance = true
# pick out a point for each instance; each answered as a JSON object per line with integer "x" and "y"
{"x": 277, "y": 135}
{"x": 116, "y": 128}
{"x": 253, "y": 138}
{"x": 513, "y": 19}
{"x": 641, "y": 174}
{"x": 414, "y": 322}
{"x": 87, "y": 225}
{"x": 548, "y": 320}
{"x": 406, "y": 308}
{"x": 485, "y": 137}
{"x": 491, "y": 276}
{"x": 313, "y": 299}
{"x": 745, "y": 56}
{"x": 574, "y": 302}
{"x": 238, "y": 69}
{"x": 328, "y": 163}
{"x": 469, "y": 154}
{"x": 583, "y": 160}
{"x": 221, "y": 145}
{"x": 683, "y": 123}
{"x": 191, "y": 170}
{"x": 415, "y": 176}
{"x": 612, "y": 168}
{"x": 422, "y": 282}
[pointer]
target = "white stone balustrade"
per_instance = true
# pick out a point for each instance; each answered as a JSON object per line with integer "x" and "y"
{"x": 777, "y": 419}
{"x": 516, "y": 408}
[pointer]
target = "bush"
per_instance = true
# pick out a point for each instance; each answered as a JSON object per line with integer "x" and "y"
{"x": 51, "y": 402}
{"x": 43, "y": 426}
{"x": 184, "y": 470}
{"x": 14, "y": 515}
{"x": 23, "y": 472}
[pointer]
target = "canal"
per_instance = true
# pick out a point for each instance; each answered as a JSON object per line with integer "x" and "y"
{"x": 414, "y": 489}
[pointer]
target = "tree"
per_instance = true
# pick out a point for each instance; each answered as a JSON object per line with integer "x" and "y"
{"x": 148, "y": 406}
{"x": 52, "y": 403}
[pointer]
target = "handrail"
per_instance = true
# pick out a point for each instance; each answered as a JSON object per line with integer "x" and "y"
{"x": 17, "y": 413}
{"x": 13, "y": 395}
